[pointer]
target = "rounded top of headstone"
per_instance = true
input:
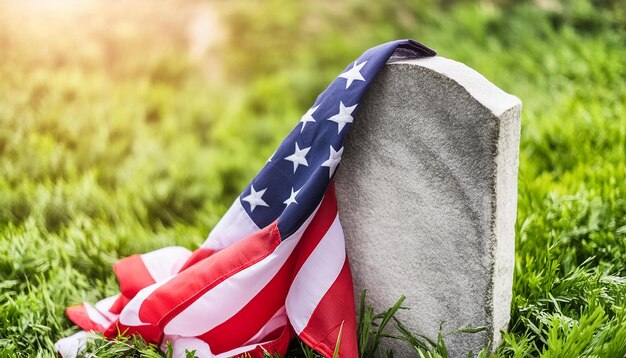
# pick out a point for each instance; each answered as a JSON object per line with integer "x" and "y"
{"x": 485, "y": 92}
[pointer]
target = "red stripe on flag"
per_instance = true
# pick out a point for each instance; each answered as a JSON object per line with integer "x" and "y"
{"x": 277, "y": 342}
{"x": 149, "y": 333}
{"x": 132, "y": 274}
{"x": 78, "y": 314}
{"x": 119, "y": 304}
{"x": 335, "y": 309}
{"x": 197, "y": 256}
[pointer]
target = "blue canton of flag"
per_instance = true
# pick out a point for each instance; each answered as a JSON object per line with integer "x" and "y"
{"x": 295, "y": 178}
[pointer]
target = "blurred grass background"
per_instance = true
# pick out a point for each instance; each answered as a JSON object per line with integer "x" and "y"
{"x": 131, "y": 125}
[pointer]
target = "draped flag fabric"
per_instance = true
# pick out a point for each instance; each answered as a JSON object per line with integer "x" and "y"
{"x": 274, "y": 266}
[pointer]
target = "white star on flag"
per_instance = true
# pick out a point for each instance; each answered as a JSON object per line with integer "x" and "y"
{"x": 271, "y": 156}
{"x": 292, "y": 197}
{"x": 254, "y": 199}
{"x": 298, "y": 157}
{"x": 353, "y": 74}
{"x": 308, "y": 117}
{"x": 344, "y": 116}
{"x": 333, "y": 160}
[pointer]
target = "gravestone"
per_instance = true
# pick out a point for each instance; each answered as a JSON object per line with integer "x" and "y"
{"x": 427, "y": 195}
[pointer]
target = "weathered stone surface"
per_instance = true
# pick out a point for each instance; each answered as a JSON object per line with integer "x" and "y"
{"x": 427, "y": 192}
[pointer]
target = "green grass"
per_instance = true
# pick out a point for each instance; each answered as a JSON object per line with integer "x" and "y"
{"x": 113, "y": 142}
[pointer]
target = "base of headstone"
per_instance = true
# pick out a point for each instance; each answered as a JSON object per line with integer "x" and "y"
{"x": 427, "y": 195}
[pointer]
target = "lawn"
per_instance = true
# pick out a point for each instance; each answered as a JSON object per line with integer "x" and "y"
{"x": 118, "y": 137}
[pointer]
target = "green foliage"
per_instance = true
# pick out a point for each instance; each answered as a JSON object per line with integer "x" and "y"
{"x": 371, "y": 327}
{"x": 114, "y": 142}
{"x": 122, "y": 346}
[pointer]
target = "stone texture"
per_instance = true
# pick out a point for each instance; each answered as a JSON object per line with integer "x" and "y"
{"x": 427, "y": 193}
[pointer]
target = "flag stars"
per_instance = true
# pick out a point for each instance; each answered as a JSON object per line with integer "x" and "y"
{"x": 343, "y": 117}
{"x": 255, "y": 198}
{"x": 308, "y": 117}
{"x": 353, "y": 74}
{"x": 292, "y": 197}
{"x": 333, "y": 160}
{"x": 298, "y": 157}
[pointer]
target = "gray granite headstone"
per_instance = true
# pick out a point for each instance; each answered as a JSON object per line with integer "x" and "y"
{"x": 427, "y": 195}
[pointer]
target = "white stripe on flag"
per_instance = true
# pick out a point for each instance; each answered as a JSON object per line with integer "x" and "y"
{"x": 69, "y": 347}
{"x": 182, "y": 344}
{"x": 165, "y": 262}
{"x": 316, "y": 276}
{"x": 237, "y": 351}
{"x": 104, "y": 306}
{"x": 96, "y": 316}
{"x": 232, "y": 227}
{"x": 130, "y": 314}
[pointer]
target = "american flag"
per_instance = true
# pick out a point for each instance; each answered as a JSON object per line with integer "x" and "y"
{"x": 274, "y": 266}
